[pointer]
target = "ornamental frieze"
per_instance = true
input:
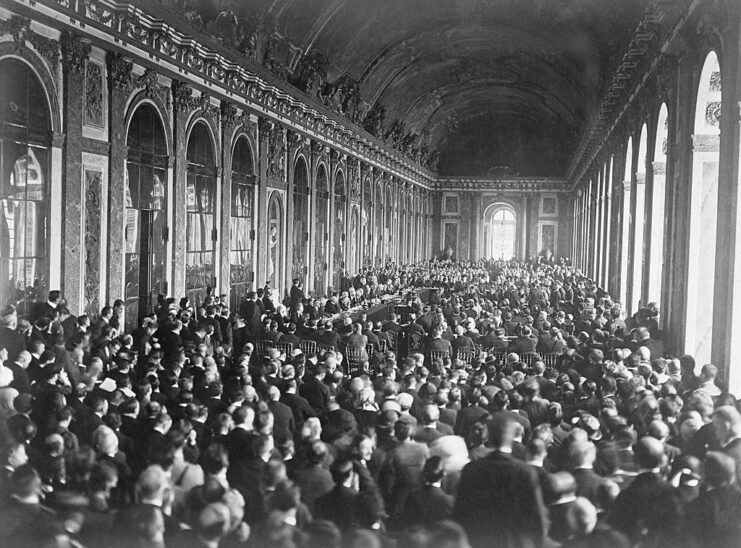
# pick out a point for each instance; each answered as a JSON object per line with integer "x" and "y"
{"x": 132, "y": 26}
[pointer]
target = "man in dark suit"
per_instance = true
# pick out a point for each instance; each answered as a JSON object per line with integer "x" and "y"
{"x": 371, "y": 336}
{"x": 298, "y": 405}
{"x": 341, "y": 504}
{"x": 328, "y": 336}
{"x": 438, "y": 344}
{"x": 486, "y": 507}
{"x": 551, "y": 342}
{"x": 26, "y": 522}
{"x": 290, "y": 337}
{"x": 296, "y": 294}
{"x": 13, "y": 341}
{"x": 525, "y": 343}
{"x": 600, "y": 491}
{"x": 649, "y": 509}
{"x": 431, "y": 427}
{"x": 494, "y": 340}
{"x": 250, "y": 313}
{"x": 210, "y": 320}
{"x": 727, "y": 425}
{"x": 714, "y": 518}
{"x": 284, "y": 425}
{"x": 429, "y": 505}
{"x": 315, "y": 391}
{"x": 462, "y": 343}
{"x": 153, "y": 488}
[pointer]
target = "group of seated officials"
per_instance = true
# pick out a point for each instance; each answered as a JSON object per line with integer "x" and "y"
{"x": 516, "y": 406}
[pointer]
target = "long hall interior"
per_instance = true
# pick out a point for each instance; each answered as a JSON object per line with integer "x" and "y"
{"x": 192, "y": 191}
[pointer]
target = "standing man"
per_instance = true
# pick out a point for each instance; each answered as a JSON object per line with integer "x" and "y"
{"x": 486, "y": 507}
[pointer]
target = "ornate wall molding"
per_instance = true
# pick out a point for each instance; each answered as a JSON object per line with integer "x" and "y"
{"x": 119, "y": 71}
{"x": 75, "y": 51}
{"x": 202, "y": 63}
{"x": 19, "y": 28}
{"x": 93, "y": 95}
{"x": 510, "y": 185}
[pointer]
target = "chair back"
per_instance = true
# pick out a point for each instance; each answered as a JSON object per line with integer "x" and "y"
{"x": 262, "y": 346}
{"x": 307, "y": 347}
{"x": 285, "y": 348}
{"x": 439, "y": 354}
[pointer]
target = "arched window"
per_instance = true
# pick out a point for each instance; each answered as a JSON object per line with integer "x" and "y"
{"x": 658, "y": 198}
{"x": 503, "y": 234}
{"x": 378, "y": 213}
{"x": 201, "y": 209}
{"x": 240, "y": 222}
{"x": 275, "y": 242}
{"x": 146, "y": 214}
{"x": 625, "y": 222}
{"x": 354, "y": 236}
{"x": 300, "y": 219}
{"x": 338, "y": 245}
{"x": 25, "y": 140}
{"x": 389, "y": 231}
{"x": 703, "y": 213}
{"x": 639, "y": 218}
{"x": 367, "y": 222}
{"x": 321, "y": 234}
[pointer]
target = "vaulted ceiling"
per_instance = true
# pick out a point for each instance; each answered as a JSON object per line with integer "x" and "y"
{"x": 488, "y": 83}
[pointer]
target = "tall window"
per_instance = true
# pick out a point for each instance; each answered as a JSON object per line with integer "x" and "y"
{"x": 502, "y": 228}
{"x": 378, "y": 212}
{"x": 639, "y": 222}
{"x": 201, "y": 209}
{"x": 146, "y": 214}
{"x": 703, "y": 213}
{"x": 275, "y": 242}
{"x": 240, "y": 222}
{"x": 321, "y": 235}
{"x": 625, "y": 222}
{"x": 658, "y": 199}
{"x": 338, "y": 251}
{"x": 300, "y": 220}
{"x": 25, "y": 139}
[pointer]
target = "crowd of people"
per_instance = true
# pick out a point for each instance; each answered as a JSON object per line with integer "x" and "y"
{"x": 516, "y": 407}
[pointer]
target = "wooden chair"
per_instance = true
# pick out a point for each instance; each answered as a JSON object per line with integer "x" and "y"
{"x": 439, "y": 354}
{"x": 353, "y": 357}
{"x": 383, "y": 346}
{"x": 467, "y": 356}
{"x": 324, "y": 348}
{"x": 285, "y": 348}
{"x": 500, "y": 355}
{"x": 307, "y": 347}
{"x": 262, "y": 347}
{"x": 529, "y": 357}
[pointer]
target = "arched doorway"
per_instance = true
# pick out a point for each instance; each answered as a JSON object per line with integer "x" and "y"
{"x": 25, "y": 142}
{"x": 625, "y": 222}
{"x": 367, "y": 224}
{"x": 703, "y": 213}
{"x": 639, "y": 218}
{"x": 354, "y": 236}
{"x": 200, "y": 205}
{"x": 378, "y": 213}
{"x": 300, "y": 220}
{"x": 275, "y": 243}
{"x": 500, "y": 230}
{"x": 241, "y": 274}
{"x": 321, "y": 235}
{"x": 338, "y": 247}
{"x": 658, "y": 199}
{"x": 146, "y": 213}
